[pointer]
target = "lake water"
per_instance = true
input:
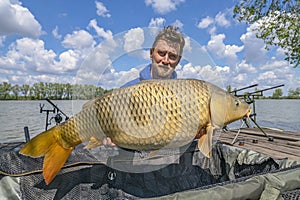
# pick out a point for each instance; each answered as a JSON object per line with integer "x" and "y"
{"x": 15, "y": 115}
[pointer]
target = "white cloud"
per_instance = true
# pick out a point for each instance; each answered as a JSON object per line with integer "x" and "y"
{"x": 217, "y": 47}
{"x": 187, "y": 45}
{"x": 100, "y": 31}
{"x": 207, "y": 73}
{"x": 2, "y": 78}
{"x": 26, "y": 54}
{"x": 224, "y": 69}
{"x": 244, "y": 67}
{"x": 280, "y": 53}
{"x": 221, "y": 20}
{"x": 16, "y": 19}
{"x": 274, "y": 64}
{"x": 102, "y": 10}
{"x": 212, "y": 23}
{"x": 113, "y": 79}
{"x": 240, "y": 79}
{"x": 68, "y": 60}
{"x": 28, "y": 58}
{"x": 157, "y": 22}
{"x": 133, "y": 39}
{"x": 267, "y": 75}
{"x": 231, "y": 50}
{"x": 78, "y": 40}
{"x": 55, "y": 33}
{"x": 178, "y": 24}
{"x": 276, "y": 72}
{"x": 163, "y": 6}
{"x": 2, "y": 39}
{"x": 254, "y": 47}
{"x": 98, "y": 61}
{"x": 205, "y": 22}
{"x": 212, "y": 30}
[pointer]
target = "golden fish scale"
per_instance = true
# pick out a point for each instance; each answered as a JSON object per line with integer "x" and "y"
{"x": 145, "y": 116}
{"x": 80, "y": 128}
{"x": 154, "y": 114}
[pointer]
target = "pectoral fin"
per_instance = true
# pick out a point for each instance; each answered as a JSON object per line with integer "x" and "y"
{"x": 205, "y": 141}
{"x": 94, "y": 142}
{"x": 153, "y": 153}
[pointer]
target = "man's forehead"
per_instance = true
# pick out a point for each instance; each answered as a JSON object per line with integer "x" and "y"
{"x": 167, "y": 45}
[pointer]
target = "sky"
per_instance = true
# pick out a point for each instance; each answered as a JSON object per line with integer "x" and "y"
{"x": 107, "y": 43}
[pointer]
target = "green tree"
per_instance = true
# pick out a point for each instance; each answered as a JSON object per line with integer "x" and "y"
{"x": 36, "y": 91}
{"x": 15, "y": 89}
{"x": 24, "y": 89}
{"x": 297, "y": 91}
{"x": 42, "y": 89}
{"x": 277, "y": 93}
{"x": 294, "y": 93}
{"x": 278, "y": 23}
{"x": 5, "y": 88}
{"x": 228, "y": 88}
{"x": 68, "y": 90}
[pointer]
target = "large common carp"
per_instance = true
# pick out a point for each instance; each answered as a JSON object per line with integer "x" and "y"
{"x": 150, "y": 115}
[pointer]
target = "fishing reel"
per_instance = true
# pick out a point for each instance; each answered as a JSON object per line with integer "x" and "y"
{"x": 57, "y": 118}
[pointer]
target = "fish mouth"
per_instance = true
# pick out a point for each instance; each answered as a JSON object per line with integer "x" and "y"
{"x": 249, "y": 111}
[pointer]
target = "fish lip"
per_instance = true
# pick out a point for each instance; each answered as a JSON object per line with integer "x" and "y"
{"x": 248, "y": 113}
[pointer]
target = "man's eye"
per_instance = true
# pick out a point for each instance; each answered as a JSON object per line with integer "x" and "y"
{"x": 173, "y": 56}
{"x": 161, "y": 53}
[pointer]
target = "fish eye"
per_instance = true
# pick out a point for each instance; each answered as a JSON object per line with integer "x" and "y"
{"x": 237, "y": 103}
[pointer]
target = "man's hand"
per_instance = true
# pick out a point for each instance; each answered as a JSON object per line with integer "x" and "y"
{"x": 108, "y": 143}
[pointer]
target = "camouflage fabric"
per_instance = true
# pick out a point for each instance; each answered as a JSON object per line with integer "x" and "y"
{"x": 230, "y": 173}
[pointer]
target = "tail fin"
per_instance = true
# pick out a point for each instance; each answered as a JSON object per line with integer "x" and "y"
{"x": 46, "y": 144}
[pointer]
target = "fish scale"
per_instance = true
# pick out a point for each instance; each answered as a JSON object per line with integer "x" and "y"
{"x": 150, "y": 115}
{"x": 175, "y": 114}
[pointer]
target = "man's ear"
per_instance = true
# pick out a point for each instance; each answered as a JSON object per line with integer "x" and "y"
{"x": 151, "y": 53}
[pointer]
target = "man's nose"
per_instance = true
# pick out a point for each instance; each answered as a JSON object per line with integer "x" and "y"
{"x": 165, "y": 59}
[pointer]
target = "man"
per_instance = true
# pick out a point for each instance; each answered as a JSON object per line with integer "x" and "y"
{"x": 165, "y": 55}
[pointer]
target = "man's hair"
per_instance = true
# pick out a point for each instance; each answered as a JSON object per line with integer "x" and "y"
{"x": 171, "y": 35}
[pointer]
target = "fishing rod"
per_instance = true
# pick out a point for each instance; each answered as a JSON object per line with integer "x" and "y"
{"x": 261, "y": 91}
{"x": 244, "y": 88}
{"x": 250, "y": 99}
{"x": 55, "y": 109}
{"x": 59, "y": 110}
{"x": 57, "y": 117}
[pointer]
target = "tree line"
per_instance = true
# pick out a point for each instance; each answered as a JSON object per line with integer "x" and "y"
{"x": 66, "y": 91}
{"x": 42, "y": 90}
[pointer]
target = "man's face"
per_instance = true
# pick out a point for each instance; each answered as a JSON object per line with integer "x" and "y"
{"x": 165, "y": 57}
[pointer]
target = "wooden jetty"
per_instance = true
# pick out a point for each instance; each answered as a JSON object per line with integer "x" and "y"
{"x": 277, "y": 144}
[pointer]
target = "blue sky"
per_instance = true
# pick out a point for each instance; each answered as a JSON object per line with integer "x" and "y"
{"x": 63, "y": 41}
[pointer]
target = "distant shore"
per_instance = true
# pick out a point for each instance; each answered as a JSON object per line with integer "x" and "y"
{"x": 61, "y": 91}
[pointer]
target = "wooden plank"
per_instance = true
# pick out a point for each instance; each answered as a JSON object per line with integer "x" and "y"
{"x": 276, "y": 134}
{"x": 280, "y": 142}
{"x": 285, "y": 144}
{"x": 294, "y": 143}
{"x": 270, "y": 151}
